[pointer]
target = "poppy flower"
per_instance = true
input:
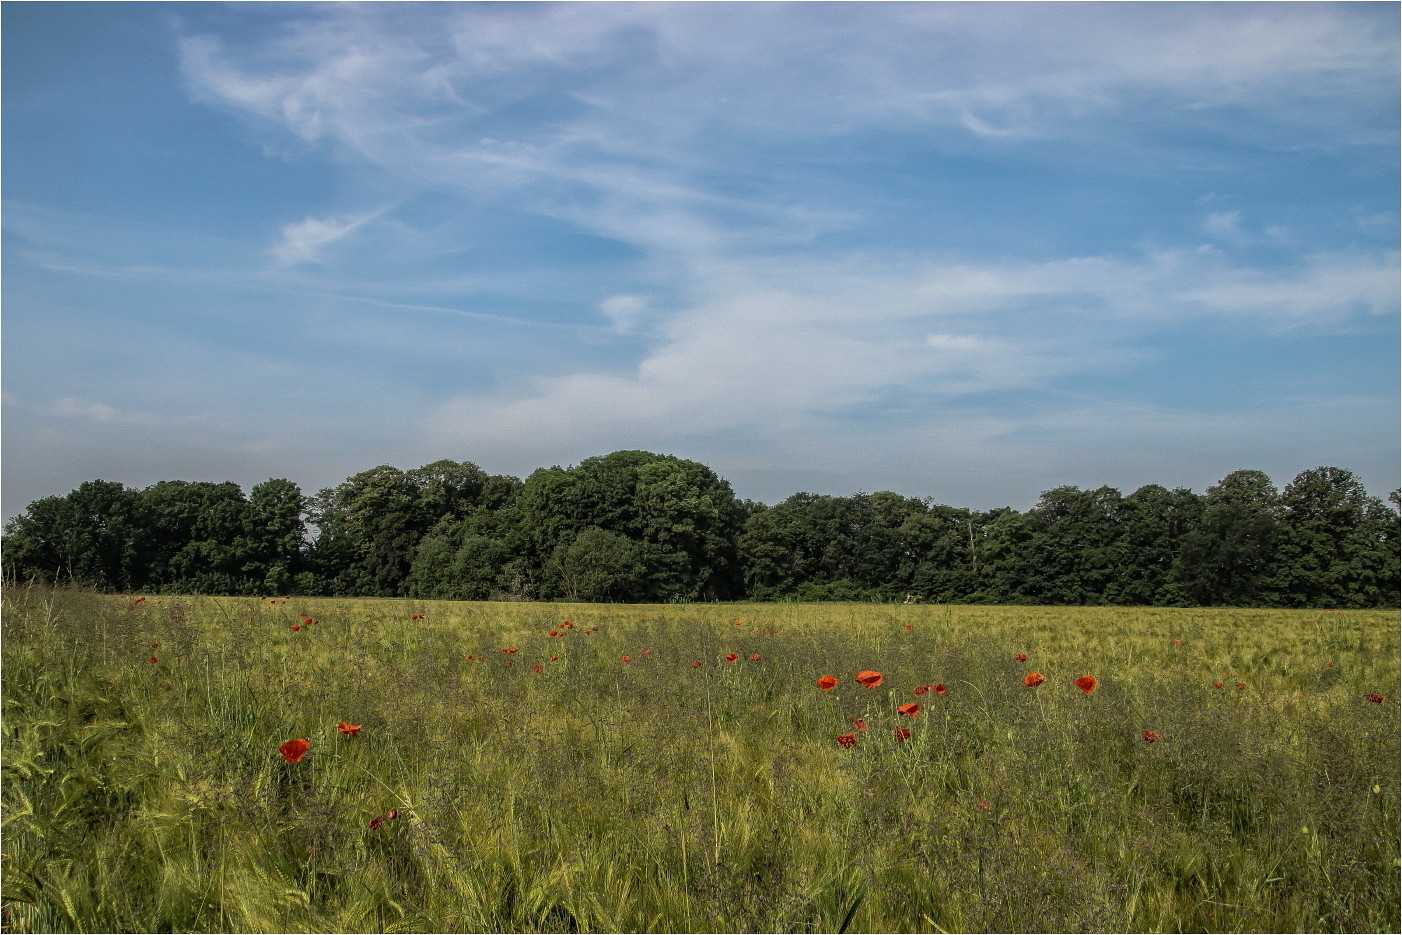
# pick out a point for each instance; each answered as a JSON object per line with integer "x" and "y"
{"x": 827, "y": 683}
{"x": 567, "y": 624}
{"x": 294, "y": 750}
{"x": 1375, "y": 698}
{"x": 510, "y": 650}
{"x": 537, "y": 668}
{"x": 922, "y": 690}
{"x": 858, "y": 723}
{"x": 647, "y": 652}
{"x": 909, "y": 710}
{"x": 1150, "y": 737}
{"x": 754, "y": 657}
{"x": 907, "y": 626}
{"x": 154, "y": 660}
{"x": 940, "y": 689}
{"x": 696, "y": 664}
{"x": 982, "y": 805}
{"x": 1241, "y": 686}
{"x": 1216, "y": 684}
{"x": 392, "y": 814}
{"x": 902, "y": 734}
{"x": 469, "y": 656}
{"x": 1329, "y": 665}
{"x": 554, "y": 632}
{"x": 350, "y": 730}
{"x": 1177, "y": 642}
{"x": 627, "y": 658}
{"x": 296, "y": 627}
{"x": 847, "y": 740}
{"x": 1021, "y": 657}
{"x": 868, "y": 678}
{"x": 735, "y": 623}
{"x": 1086, "y": 683}
{"x": 155, "y": 645}
{"x": 553, "y": 658}
{"x": 1034, "y": 679}
{"x": 731, "y": 657}
{"x": 375, "y": 823}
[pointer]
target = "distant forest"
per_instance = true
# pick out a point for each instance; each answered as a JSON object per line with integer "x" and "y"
{"x": 635, "y": 526}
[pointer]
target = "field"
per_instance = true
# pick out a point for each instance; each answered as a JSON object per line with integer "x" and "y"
{"x": 514, "y": 773}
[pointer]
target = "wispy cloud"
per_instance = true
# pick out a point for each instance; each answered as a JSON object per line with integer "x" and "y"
{"x": 305, "y": 241}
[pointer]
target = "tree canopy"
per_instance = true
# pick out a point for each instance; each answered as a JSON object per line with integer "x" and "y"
{"x": 638, "y": 526}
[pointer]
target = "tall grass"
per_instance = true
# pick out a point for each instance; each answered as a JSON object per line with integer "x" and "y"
{"x": 597, "y": 795}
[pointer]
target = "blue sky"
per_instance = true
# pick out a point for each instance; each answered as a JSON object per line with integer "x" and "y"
{"x": 965, "y": 251}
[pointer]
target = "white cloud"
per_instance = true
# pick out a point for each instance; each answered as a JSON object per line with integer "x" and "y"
{"x": 303, "y": 241}
{"x": 69, "y": 407}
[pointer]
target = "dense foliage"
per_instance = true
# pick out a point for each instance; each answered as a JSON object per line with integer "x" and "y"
{"x": 636, "y": 526}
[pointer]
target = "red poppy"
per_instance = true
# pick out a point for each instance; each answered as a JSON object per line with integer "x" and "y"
{"x": 296, "y": 627}
{"x": 902, "y": 734}
{"x": 154, "y": 660}
{"x": 392, "y": 814}
{"x": 982, "y": 806}
{"x": 554, "y": 632}
{"x": 1375, "y": 698}
{"x": 1021, "y": 657}
{"x": 847, "y": 740}
{"x": 155, "y": 645}
{"x": 940, "y": 689}
{"x": 1150, "y": 737}
{"x": 553, "y": 658}
{"x": 350, "y": 730}
{"x": 510, "y": 650}
{"x": 537, "y": 668}
{"x": 375, "y": 823}
{"x": 735, "y": 623}
{"x": 910, "y": 709}
{"x": 907, "y": 626}
{"x": 294, "y": 750}
{"x": 1086, "y": 683}
{"x": 696, "y": 664}
{"x": 567, "y": 624}
{"x": 647, "y": 652}
{"x": 1216, "y": 684}
{"x": 922, "y": 690}
{"x": 469, "y": 656}
{"x": 754, "y": 657}
{"x": 858, "y": 723}
{"x": 1329, "y": 665}
{"x": 1177, "y": 642}
{"x": 827, "y": 683}
{"x": 868, "y": 678}
{"x": 1241, "y": 686}
{"x": 731, "y": 657}
{"x": 627, "y": 658}
{"x": 1034, "y": 679}
{"x": 138, "y": 600}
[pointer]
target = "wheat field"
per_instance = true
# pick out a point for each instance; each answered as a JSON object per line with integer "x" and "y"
{"x": 679, "y": 768}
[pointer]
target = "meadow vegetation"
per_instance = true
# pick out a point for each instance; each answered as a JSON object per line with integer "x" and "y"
{"x": 561, "y": 788}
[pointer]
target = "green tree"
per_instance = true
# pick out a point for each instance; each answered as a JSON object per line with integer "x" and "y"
{"x": 1336, "y": 543}
{"x": 1151, "y": 525}
{"x": 1227, "y": 558}
{"x": 276, "y": 533}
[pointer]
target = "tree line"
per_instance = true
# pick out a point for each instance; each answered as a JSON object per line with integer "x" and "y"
{"x": 642, "y": 527}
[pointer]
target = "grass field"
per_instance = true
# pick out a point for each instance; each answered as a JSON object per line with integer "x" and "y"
{"x": 561, "y": 788}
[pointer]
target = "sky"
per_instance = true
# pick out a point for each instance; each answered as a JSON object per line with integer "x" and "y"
{"x": 969, "y": 252}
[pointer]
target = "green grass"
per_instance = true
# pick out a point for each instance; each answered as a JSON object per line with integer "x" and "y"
{"x": 597, "y": 795}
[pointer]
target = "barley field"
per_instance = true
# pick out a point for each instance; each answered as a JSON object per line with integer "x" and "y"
{"x": 605, "y": 768}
